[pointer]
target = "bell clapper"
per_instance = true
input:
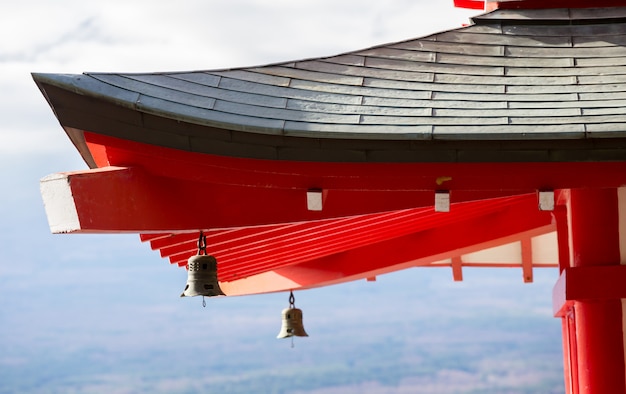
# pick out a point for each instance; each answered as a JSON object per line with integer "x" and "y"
{"x": 203, "y": 302}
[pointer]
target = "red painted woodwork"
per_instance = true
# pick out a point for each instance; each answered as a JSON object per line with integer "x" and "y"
{"x": 440, "y": 242}
{"x": 600, "y": 346}
{"x": 570, "y": 353}
{"x": 588, "y": 283}
{"x": 186, "y": 189}
{"x": 318, "y": 253}
{"x": 457, "y": 269}
{"x": 304, "y": 252}
{"x": 120, "y": 199}
{"x": 527, "y": 260}
{"x": 470, "y": 4}
{"x": 377, "y": 217}
{"x": 595, "y": 348}
{"x": 306, "y": 238}
{"x": 467, "y": 181}
{"x": 245, "y": 248}
{"x": 562, "y": 230}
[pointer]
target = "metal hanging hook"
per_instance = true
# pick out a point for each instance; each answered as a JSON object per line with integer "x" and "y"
{"x": 292, "y": 299}
{"x": 202, "y": 244}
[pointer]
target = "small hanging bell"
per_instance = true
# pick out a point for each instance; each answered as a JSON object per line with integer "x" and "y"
{"x": 292, "y": 321}
{"x": 202, "y": 277}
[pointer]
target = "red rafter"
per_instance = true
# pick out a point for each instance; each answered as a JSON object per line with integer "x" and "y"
{"x": 245, "y": 252}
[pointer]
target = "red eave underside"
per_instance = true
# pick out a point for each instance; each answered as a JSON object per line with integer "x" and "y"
{"x": 485, "y": 180}
{"x": 377, "y": 241}
{"x": 376, "y": 218}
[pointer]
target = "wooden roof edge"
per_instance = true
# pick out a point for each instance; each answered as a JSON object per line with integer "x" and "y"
{"x": 86, "y": 85}
{"x": 554, "y": 15}
{"x": 83, "y": 84}
{"x": 89, "y": 85}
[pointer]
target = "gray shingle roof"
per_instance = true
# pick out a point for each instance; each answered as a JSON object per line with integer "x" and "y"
{"x": 513, "y": 74}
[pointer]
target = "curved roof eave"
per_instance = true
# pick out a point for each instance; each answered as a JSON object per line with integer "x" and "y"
{"x": 512, "y": 74}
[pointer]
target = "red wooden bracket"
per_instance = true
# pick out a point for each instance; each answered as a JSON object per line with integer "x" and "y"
{"x": 587, "y": 284}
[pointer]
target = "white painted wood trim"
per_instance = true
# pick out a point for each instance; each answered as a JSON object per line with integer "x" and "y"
{"x": 59, "y": 203}
{"x": 314, "y": 200}
{"x": 442, "y": 201}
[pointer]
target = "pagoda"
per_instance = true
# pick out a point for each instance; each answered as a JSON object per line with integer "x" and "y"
{"x": 497, "y": 144}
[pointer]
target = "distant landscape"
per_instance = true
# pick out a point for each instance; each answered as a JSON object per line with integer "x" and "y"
{"x": 96, "y": 324}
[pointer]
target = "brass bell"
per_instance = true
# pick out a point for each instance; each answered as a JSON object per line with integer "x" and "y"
{"x": 202, "y": 273}
{"x": 292, "y": 321}
{"x": 202, "y": 277}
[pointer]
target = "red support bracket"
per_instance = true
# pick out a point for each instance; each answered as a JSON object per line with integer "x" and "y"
{"x": 470, "y": 4}
{"x": 527, "y": 260}
{"x": 457, "y": 269}
{"x": 586, "y": 284}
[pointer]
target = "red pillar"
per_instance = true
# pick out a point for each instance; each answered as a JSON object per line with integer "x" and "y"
{"x": 568, "y": 327}
{"x": 597, "y": 330}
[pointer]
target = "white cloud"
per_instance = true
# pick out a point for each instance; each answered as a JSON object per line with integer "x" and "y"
{"x": 72, "y": 36}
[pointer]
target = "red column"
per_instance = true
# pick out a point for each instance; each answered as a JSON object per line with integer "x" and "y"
{"x": 568, "y": 326}
{"x": 599, "y": 344}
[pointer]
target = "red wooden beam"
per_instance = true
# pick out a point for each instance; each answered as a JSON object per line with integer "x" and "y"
{"x": 115, "y": 199}
{"x": 465, "y": 181}
{"x": 163, "y": 190}
{"x": 527, "y": 260}
{"x": 588, "y": 283}
{"x": 457, "y": 269}
{"x": 470, "y": 4}
{"x": 514, "y": 222}
{"x": 100, "y": 200}
{"x": 268, "y": 248}
{"x": 337, "y": 239}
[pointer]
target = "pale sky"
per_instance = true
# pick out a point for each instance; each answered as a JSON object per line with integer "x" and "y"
{"x": 74, "y": 36}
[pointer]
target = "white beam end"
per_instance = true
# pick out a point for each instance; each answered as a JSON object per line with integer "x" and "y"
{"x": 546, "y": 200}
{"x": 59, "y": 203}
